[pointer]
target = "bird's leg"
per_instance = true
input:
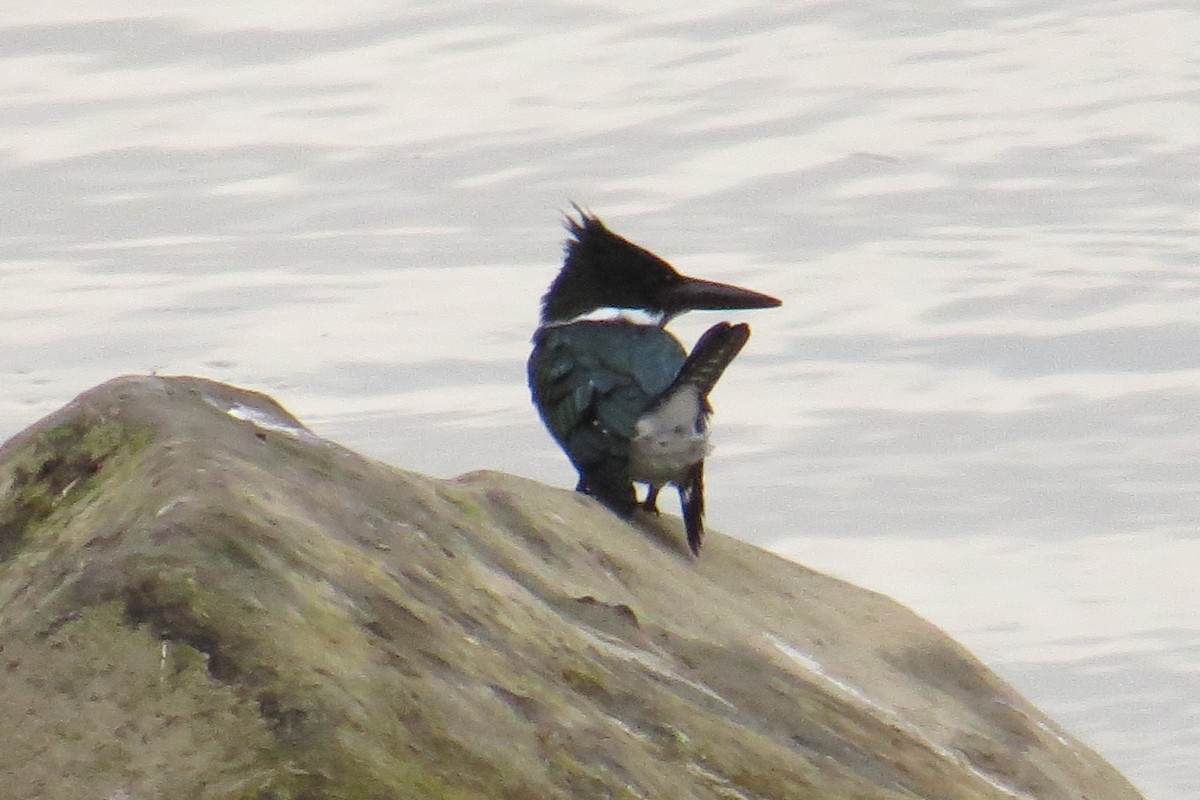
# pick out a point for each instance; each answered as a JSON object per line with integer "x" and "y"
{"x": 651, "y": 502}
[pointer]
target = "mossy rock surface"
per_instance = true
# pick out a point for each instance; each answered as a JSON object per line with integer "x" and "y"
{"x": 200, "y": 598}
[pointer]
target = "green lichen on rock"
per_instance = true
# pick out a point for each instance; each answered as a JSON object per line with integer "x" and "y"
{"x": 55, "y": 469}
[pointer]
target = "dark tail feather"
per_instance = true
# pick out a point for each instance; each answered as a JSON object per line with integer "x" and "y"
{"x": 691, "y": 497}
{"x": 719, "y": 345}
{"x": 714, "y": 351}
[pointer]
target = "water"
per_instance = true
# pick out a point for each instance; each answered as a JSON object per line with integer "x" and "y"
{"x": 980, "y": 396}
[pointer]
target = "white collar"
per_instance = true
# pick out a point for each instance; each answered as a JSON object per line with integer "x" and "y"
{"x": 633, "y": 316}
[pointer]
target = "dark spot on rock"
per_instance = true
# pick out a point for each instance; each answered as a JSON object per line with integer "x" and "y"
{"x": 391, "y": 621}
{"x": 58, "y": 465}
{"x": 376, "y": 628}
{"x": 528, "y": 708}
{"x": 287, "y": 722}
{"x": 154, "y": 604}
{"x": 619, "y": 610}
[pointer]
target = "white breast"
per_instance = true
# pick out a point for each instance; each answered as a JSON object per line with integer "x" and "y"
{"x": 670, "y": 439}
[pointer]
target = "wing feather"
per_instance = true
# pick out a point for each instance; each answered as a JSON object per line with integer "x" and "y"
{"x": 591, "y": 382}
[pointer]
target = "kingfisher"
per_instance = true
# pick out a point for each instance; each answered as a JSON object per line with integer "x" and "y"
{"x": 617, "y": 391}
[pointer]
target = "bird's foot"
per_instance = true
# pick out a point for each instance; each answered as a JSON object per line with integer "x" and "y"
{"x": 650, "y": 504}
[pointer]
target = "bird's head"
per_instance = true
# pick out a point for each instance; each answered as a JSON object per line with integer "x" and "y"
{"x": 602, "y": 270}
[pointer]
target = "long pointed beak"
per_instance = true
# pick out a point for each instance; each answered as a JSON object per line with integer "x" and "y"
{"x": 696, "y": 294}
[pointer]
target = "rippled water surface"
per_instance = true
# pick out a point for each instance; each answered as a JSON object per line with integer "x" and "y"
{"x": 981, "y": 395}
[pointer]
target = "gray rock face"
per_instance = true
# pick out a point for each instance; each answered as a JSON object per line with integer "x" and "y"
{"x": 200, "y": 598}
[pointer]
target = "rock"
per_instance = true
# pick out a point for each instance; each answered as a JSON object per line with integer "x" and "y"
{"x": 199, "y": 598}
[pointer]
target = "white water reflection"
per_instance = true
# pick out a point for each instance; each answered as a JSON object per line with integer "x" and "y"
{"x": 979, "y": 396}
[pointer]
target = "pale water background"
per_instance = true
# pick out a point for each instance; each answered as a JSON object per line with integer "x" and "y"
{"x": 981, "y": 397}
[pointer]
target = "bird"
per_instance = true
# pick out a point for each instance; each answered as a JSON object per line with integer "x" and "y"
{"x": 617, "y": 391}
